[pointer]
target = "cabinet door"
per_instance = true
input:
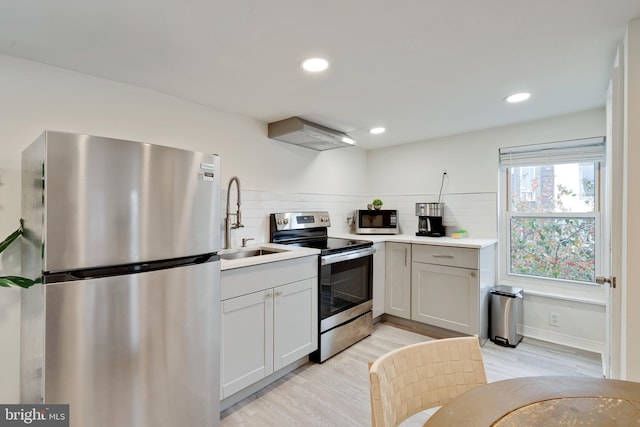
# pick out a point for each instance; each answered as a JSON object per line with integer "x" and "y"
{"x": 446, "y": 297}
{"x": 246, "y": 331}
{"x": 397, "y": 299}
{"x": 295, "y": 321}
{"x": 378, "y": 279}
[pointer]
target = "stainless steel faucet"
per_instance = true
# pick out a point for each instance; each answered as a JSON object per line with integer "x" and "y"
{"x": 227, "y": 222}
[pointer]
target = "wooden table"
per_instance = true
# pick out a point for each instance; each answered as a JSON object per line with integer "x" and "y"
{"x": 544, "y": 401}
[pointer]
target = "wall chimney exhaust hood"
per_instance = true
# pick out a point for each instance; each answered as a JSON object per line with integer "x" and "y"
{"x": 304, "y": 133}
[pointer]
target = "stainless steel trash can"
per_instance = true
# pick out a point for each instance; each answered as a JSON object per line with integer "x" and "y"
{"x": 505, "y": 313}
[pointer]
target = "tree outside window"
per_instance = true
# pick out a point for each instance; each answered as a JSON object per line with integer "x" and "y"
{"x": 552, "y": 221}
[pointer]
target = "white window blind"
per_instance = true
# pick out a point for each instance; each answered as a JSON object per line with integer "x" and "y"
{"x": 577, "y": 150}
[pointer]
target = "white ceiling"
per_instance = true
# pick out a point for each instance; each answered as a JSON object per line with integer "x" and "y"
{"x": 420, "y": 68}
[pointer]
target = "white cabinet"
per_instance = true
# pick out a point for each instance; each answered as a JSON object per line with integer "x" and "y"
{"x": 295, "y": 321}
{"x": 246, "y": 341}
{"x": 450, "y": 287}
{"x": 446, "y": 297}
{"x": 397, "y": 299}
{"x": 378, "y": 279}
{"x": 269, "y": 320}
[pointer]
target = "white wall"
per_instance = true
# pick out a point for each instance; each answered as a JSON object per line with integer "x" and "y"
{"x": 471, "y": 159}
{"x": 36, "y": 97}
{"x": 409, "y": 172}
{"x": 631, "y": 285}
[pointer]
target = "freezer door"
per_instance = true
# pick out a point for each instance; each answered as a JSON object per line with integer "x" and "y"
{"x": 136, "y": 351}
{"x": 110, "y": 202}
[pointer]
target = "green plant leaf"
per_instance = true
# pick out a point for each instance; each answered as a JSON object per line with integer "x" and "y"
{"x": 13, "y": 236}
{"x": 16, "y": 281}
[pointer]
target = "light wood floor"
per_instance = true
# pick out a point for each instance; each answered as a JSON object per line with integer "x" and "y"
{"x": 336, "y": 393}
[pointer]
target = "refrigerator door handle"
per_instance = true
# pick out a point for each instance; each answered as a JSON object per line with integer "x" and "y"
{"x": 120, "y": 270}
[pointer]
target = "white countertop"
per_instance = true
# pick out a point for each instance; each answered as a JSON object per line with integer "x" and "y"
{"x": 284, "y": 252}
{"x": 289, "y": 252}
{"x": 464, "y": 242}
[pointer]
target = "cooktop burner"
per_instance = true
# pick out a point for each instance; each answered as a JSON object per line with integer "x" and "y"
{"x": 332, "y": 245}
{"x": 309, "y": 230}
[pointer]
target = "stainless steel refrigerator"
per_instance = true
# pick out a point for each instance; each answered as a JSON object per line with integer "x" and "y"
{"x": 125, "y": 326}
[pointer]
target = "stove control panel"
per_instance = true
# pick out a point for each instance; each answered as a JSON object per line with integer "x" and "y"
{"x": 301, "y": 220}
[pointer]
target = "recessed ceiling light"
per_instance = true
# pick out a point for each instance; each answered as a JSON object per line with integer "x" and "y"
{"x": 518, "y": 97}
{"x": 315, "y": 65}
{"x": 377, "y": 131}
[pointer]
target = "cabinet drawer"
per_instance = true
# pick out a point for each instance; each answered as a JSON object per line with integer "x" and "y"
{"x": 446, "y": 255}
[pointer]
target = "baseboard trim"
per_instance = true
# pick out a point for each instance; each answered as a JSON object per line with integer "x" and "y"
{"x": 562, "y": 339}
{"x": 253, "y": 388}
{"x": 527, "y": 331}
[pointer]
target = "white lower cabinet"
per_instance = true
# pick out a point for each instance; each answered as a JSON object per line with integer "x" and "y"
{"x": 266, "y": 330}
{"x": 446, "y": 297}
{"x": 246, "y": 341}
{"x": 295, "y": 322}
{"x": 379, "y": 259}
{"x": 397, "y": 298}
{"x": 450, "y": 287}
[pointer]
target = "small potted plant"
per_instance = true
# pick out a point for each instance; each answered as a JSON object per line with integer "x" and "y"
{"x": 377, "y": 204}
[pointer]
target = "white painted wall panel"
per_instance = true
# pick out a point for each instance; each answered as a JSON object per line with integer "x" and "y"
{"x": 471, "y": 159}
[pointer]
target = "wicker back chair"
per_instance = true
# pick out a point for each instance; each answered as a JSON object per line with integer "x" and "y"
{"x": 421, "y": 376}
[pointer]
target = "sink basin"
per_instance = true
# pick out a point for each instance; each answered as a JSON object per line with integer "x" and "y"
{"x": 248, "y": 253}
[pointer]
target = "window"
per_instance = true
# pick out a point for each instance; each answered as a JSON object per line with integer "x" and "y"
{"x": 550, "y": 210}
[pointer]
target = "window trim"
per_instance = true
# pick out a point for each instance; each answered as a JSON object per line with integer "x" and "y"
{"x": 550, "y": 153}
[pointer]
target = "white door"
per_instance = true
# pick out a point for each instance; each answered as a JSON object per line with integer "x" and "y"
{"x": 614, "y": 219}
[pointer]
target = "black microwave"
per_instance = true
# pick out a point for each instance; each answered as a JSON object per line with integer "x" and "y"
{"x": 382, "y": 221}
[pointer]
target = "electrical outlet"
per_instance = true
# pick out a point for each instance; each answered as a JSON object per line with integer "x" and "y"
{"x": 554, "y": 319}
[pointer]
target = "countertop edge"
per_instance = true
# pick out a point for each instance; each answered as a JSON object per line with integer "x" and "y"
{"x": 435, "y": 241}
{"x": 289, "y": 252}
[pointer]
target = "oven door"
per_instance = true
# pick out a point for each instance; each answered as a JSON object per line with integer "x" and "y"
{"x": 346, "y": 283}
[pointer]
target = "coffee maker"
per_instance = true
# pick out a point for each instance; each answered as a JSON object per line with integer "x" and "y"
{"x": 430, "y": 219}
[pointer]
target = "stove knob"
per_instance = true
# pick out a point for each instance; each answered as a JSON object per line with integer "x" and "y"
{"x": 324, "y": 219}
{"x": 279, "y": 221}
{"x": 286, "y": 220}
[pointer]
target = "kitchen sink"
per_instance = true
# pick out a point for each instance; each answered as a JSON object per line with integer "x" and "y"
{"x": 248, "y": 253}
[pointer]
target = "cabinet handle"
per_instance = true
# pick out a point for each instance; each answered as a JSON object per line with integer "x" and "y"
{"x": 473, "y": 274}
{"x": 279, "y": 293}
{"x": 406, "y": 250}
{"x": 442, "y": 256}
{"x": 268, "y": 295}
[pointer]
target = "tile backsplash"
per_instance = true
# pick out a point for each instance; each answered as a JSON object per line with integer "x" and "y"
{"x": 474, "y": 212}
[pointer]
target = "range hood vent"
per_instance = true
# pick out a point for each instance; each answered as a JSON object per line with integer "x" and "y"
{"x": 295, "y": 130}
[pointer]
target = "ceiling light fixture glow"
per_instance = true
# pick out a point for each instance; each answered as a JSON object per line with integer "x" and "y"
{"x": 518, "y": 97}
{"x": 377, "y": 131}
{"x": 315, "y": 65}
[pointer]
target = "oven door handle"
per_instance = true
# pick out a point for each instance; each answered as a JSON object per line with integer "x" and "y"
{"x": 346, "y": 256}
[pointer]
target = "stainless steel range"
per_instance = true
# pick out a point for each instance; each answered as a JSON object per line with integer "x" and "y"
{"x": 345, "y": 278}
